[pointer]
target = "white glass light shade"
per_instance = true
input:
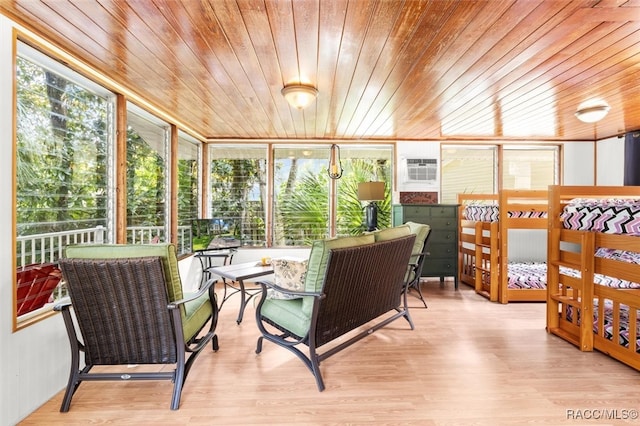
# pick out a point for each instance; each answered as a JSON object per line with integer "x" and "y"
{"x": 299, "y": 95}
{"x": 593, "y": 113}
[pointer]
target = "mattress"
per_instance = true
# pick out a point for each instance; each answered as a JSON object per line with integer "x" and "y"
{"x": 527, "y": 275}
{"x": 606, "y": 280}
{"x": 610, "y": 216}
{"x": 491, "y": 213}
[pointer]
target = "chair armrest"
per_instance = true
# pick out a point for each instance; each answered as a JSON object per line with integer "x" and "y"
{"x": 416, "y": 256}
{"x": 62, "y": 306}
{"x": 274, "y": 286}
{"x": 204, "y": 289}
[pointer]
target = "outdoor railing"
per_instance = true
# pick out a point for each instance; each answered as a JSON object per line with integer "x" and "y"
{"x": 47, "y": 248}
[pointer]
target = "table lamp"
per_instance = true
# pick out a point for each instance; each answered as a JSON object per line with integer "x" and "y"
{"x": 372, "y": 192}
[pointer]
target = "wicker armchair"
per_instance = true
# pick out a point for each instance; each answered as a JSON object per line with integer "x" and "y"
{"x": 130, "y": 309}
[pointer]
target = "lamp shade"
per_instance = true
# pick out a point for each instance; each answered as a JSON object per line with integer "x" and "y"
{"x": 370, "y": 191}
{"x": 299, "y": 95}
{"x": 592, "y": 113}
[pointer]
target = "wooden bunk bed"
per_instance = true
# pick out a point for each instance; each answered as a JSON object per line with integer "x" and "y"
{"x": 485, "y": 221}
{"x": 478, "y": 244}
{"x": 594, "y": 269}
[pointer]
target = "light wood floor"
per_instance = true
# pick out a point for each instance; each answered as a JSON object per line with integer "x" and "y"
{"x": 468, "y": 361}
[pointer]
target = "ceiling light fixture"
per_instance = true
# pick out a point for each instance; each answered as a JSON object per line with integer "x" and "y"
{"x": 592, "y": 113}
{"x": 299, "y": 95}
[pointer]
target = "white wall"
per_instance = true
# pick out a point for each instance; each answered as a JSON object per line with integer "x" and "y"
{"x": 578, "y": 163}
{"x": 610, "y": 162}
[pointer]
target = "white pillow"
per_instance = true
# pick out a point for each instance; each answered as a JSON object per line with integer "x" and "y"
{"x": 288, "y": 273}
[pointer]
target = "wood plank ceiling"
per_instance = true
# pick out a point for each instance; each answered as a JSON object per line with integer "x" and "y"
{"x": 385, "y": 70}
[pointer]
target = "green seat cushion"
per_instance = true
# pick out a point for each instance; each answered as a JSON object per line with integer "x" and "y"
{"x": 392, "y": 233}
{"x": 318, "y": 259}
{"x": 195, "y": 315}
{"x": 287, "y": 313}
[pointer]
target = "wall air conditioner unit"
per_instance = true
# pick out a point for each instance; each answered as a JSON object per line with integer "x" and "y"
{"x": 422, "y": 170}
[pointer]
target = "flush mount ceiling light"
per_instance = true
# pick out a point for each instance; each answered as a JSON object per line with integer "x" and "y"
{"x": 593, "y": 112}
{"x": 299, "y": 95}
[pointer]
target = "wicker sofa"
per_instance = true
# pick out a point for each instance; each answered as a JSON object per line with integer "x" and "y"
{"x": 349, "y": 282}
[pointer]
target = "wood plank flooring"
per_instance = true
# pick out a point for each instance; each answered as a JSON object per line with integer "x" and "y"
{"x": 467, "y": 362}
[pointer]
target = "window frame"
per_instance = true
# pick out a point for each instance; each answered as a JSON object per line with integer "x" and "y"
{"x": 499, "y": 166}
{"x": 38, "y": 58}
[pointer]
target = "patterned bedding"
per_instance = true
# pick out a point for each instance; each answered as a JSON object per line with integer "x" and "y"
{"x": 608, "y": 322}
{"x": 534, "y": 275}
{"x": 624, "y": 323}
{"x": 610, "y": 216}
{"x": 490, "y": 213}
{"x": 527, "y": 275}
{"x": 604, "y": 280}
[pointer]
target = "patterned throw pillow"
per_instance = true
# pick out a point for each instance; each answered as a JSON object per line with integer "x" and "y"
{"x": 288, "y": 273}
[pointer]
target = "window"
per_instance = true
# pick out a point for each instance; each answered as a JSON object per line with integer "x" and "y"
{"x": 468, "y": 170}
{"x": 363, "y": 163}
{"x": 530, "y": 167}
{"x": 188, "y": 189}
{"x": 147, "y": 148}
{"x": 238, "y": 191}
{"x": 474, "y": 169}
{"x": 63, "y": 184}
{"x": 303, "y": 191}
{"x": 301, "y": 195}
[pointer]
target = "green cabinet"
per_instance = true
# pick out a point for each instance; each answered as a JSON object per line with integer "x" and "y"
{"x": 442, "y": 247}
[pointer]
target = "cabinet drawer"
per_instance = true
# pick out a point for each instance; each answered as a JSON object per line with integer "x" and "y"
{"x": 438, "y": 250}
{"x": 438, "y": 224}
{"x": 439, "y": 267}
{"x": 414, "y": 212}
{"x": 443, "y": 237}
{"x": 443, "y": 211}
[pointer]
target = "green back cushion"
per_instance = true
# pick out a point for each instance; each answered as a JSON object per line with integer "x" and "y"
{"x": 318, "y": 259}
{"x": 113, "y": 251}
{"x": 392, "y": 233}
{"x": 421, "y": 232}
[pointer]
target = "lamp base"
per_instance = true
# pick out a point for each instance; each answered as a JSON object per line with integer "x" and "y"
{"x": 371, "y": 216}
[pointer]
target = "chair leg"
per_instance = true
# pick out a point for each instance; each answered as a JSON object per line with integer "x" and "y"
{"x": 315, "y": 369}
{"x": 214, "y": 343}
{"x": 72, "y": 385}
{"x": 417, "y": 286}
{"x": 178, "y": 382}
{"x": 74, "y": 371}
